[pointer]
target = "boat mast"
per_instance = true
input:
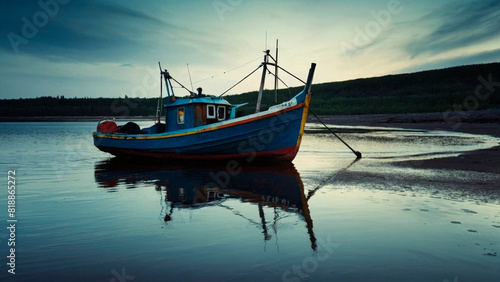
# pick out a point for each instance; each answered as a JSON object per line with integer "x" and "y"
{"x": 164, "y": 75}
{"x": 262, "y": 81}
{"x": 276, "y": 76}
{"x": 158, "y": 107}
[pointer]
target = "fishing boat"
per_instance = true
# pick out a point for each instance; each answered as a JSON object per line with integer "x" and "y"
{"x": 207, "y": 127}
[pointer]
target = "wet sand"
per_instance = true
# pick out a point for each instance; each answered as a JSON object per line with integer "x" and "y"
{"x": 480, "y": 122}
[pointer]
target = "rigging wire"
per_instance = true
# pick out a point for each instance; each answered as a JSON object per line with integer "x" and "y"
{"x": 269, "y": 73}
{"x": 230, "y": 70}
{"x": 288, "y": 87}
{"x": 290, "y": 74}
{"x": 182, "y": 86}
{"x": 241, "y": 80}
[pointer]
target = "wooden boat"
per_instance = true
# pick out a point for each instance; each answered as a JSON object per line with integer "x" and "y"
{"x": 203, "y": 127}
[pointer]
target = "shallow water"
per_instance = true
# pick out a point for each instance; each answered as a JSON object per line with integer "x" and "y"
{"x": 83, "y": 215}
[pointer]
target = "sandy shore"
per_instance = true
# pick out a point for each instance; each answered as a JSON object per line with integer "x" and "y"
{"x": 476, "y": 122}
{"x": 479, "y": 122}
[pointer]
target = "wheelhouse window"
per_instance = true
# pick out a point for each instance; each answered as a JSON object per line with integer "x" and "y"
{"x": 210, "y": 111}
{"x": 221, "y": 112}
{"x": 180, "y": 115}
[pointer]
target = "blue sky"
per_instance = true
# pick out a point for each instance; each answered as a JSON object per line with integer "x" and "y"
{"x": 111, "y": 48}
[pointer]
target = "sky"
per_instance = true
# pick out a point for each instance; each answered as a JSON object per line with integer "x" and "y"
{"x": 112, "y": 48}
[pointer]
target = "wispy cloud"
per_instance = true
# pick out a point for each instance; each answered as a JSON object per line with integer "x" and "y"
{"x": 83, "y": 31}
{"x": 481, "y": 57}
{"x": 458, "y": 25}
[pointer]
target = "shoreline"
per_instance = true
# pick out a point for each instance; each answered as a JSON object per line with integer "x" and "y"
{"x": 479, "y": 122}
{"x": 486, "y": 122}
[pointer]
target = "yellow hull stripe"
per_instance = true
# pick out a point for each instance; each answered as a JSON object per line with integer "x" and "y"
{"x": 304, "y": 119}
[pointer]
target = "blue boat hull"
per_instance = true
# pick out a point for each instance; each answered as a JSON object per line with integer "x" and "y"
{"x": 274, "y": 134}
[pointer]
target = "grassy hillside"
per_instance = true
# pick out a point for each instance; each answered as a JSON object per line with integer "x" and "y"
{"x": 427, "y": 91}
{"x": 421, "y": 92}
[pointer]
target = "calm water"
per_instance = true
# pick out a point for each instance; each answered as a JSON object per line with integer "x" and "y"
{"x": 84, "y": 216}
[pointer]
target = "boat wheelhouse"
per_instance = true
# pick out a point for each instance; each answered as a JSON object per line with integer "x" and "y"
{"x": 185, "y": 113}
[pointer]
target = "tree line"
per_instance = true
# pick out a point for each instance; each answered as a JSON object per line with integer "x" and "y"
{"x": 61, "y": 106}
{"x": 427, "y": 91}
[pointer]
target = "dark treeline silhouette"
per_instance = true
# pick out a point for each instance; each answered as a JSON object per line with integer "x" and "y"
{"x": 61, "y": 106}
{"x": 462, "y": 88}
{"x": 420, "y": 92}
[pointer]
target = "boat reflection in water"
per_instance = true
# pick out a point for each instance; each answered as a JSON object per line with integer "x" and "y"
{"x": 197, "y": 186}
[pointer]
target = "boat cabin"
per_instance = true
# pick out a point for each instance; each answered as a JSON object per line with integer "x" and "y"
{"x": 185, "y": 113}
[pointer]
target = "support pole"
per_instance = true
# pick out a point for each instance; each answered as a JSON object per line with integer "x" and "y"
{"x": 158, "y": 108}
{"x": 262, "y": 81}
{"x": 276, "y": 76}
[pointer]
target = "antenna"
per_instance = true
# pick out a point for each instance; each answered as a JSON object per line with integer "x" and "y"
{"x": 266, "y": 42}
{"x": 189, "y": 73}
